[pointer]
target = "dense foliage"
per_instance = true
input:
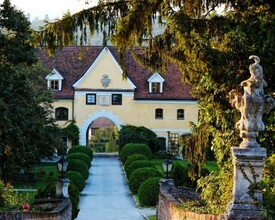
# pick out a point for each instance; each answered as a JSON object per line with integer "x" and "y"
{"x": 148, "y": 192}
{"x": 79, "y": 166}
{"x": 138, "y": 164}
{"x": 134, "y": 134}
{"x": 72, "y": 132}
{"x": 132, "y": 158}
{"x": 210, "y": 42}
{"x": 269, "y": 186}
{"x": 76, "y": 178}
{"x": 27, "y": 129}
{"x": 141, "y": 174}
{"x": 80, "y": 156}
{"x": 130, "y": 149}
{"x": 81, "y": 149}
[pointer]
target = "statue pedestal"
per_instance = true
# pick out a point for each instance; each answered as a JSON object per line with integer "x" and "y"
{"x": 62, "y": 186}
{"x": 247, "y": 201}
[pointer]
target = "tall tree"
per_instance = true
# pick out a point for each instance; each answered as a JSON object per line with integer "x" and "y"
{"x": 27, "y": 130}
{"x": 211, "y": 49}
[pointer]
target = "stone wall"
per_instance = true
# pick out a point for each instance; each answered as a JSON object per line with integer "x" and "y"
{"x": 167, "y": 208}
{"x": 62, "y": 212}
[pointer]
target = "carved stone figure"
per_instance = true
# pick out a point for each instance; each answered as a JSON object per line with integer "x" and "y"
{"x": 248, "y": 158}
{"x": 252, "y": 104}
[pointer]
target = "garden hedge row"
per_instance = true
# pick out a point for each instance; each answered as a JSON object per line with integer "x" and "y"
{"x": 141, "y": 174}
{"x": 138, "y": 164}
{"x": 133, "y": 158}
{"x": 130, "y": 149}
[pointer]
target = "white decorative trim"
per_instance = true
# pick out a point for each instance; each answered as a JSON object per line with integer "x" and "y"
{"x": 103, "y": 113}
{"x": 192, "y": 102}
{"x": 186, "y": 131}
{"x": 81, "y": 93}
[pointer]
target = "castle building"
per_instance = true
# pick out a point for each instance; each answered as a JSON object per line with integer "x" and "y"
{"x": 89, "y": 87}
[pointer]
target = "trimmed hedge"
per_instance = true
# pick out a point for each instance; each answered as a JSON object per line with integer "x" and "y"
{"x": 148, "y": 192}
{"x": 74, "y": 197}
{"x": 130, "y": 149}
{"x": 133, "y": 158}
{"x": 79, "y": 166}
{"x": 81, "y": 149}
{"x": 77, "y": 179}
{"x": 141, "y": 174}
{"x": 138, "y": 164}
{"x": 180, "y": 176}
{"x": 80, "y": 156}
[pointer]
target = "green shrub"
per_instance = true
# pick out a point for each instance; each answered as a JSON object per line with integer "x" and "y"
{"x": 141, "y": 174}
{"x": 49, "y": 191}
{"x": 138, "y": 164}
{"x": 148, "y": 192}
{"x": 81, "y": 149}
{"x": 269, "y": 167}
{"x": 133, "y": 158}
{"x": 179, "y": 174}
{"x": 269, "y": 186}
{"x": 77, "y": 179}
{"x": 79, "y": 166}
{"x": 111, "y": 146}
{"x": 2, "y": 188}
{"x": 74, "y": 197}
{"x": 130, "y": 149}
{"x": 141, "y": 135}
{"x": 80, "y": 156}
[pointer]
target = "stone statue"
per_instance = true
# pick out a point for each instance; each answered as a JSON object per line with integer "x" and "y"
{"x": 252, "y": 105}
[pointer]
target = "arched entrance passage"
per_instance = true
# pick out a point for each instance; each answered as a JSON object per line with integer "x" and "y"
{"x": 85, "y": 126}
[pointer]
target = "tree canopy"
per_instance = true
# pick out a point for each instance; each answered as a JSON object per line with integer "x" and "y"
{"x": 209, "y": 41}
{"x": 27, "y": 130}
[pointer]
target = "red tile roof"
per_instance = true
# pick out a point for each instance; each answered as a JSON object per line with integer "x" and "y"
{"x": 68, "y": 64}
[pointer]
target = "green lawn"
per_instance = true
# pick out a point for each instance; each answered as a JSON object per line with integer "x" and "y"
{"x": 44, "y": 173}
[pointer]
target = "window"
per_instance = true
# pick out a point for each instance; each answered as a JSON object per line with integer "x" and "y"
{"x": 180, "y": 114}
{"x": 54, "y": 85}
{"x": 54, "y": 81}
{"x": 156, "y": 83}
{"x": 90, "y": 99}
{"x": 61, "y": 114}
{"x": 116, "y": 99}
{"x": 159, "y": 113}
{"x": 155, "y": 87}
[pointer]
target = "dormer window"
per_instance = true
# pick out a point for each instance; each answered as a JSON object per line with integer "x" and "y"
{"x": 54, "y": 81}
{"x": 156, "y": 83}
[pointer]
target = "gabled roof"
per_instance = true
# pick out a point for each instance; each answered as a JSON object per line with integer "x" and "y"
{"x": 54, "y": 75}
{"x": 156, "y": 78}
{"x": 97, "y": 60}
{"x": 68, "y": 64}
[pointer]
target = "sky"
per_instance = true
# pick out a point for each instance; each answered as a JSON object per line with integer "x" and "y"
{"x": 53, "y": 8}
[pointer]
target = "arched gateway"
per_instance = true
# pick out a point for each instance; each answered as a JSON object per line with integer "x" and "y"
{"x": 103, "y": 113}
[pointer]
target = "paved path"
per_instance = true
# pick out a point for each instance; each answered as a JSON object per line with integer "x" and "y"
{"x": 106, "y": 195}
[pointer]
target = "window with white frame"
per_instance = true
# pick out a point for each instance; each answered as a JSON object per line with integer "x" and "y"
{"x": 156, "y": 83}
{"x": 91, "y": 99}
{"x": 54, "y": 81}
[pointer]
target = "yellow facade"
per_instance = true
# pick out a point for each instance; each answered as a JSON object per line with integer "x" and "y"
{"x": 130, "y": 111}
